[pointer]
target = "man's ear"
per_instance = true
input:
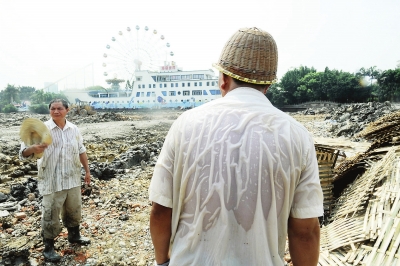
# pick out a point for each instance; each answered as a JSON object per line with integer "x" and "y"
{"x": 266, "y": 89}
{"x": 224, "y": 83}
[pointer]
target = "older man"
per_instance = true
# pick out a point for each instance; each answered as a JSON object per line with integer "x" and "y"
{"x": 59, "y": 172}
{"x": 236, "y": 176}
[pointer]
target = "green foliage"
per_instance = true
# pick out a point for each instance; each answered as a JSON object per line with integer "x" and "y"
{"x": 389, "y": 83}
{"x": 9, "y": 108}
{"x": 9, "y": 95}
{"x": 39, "y": 108}
{"x": 305, "y": 84}
{"x": 26, "y": 92}
{"x": 41, "y": 97}
{"x": 290, "y": 82}
{"x": 276, "y": 95}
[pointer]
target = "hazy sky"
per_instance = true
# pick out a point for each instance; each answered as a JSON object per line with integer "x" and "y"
{"x": 45, "y": 40}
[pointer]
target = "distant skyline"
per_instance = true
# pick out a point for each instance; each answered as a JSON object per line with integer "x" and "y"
{"x": 44, "y": 41}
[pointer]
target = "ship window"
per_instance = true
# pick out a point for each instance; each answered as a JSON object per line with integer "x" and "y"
{"x": 138, "y": 78}
{"x": 160, "y": 85}
{"x": 154, "y": 101}
{"x": 170, "y": 101}
{"x": 185, "y": 93}
{"x": 148, "y": 94}
{"x": 137, "y": 101}
{"x": 138, "y": 86}
{"x": 188, "y": 84}
{"x": 213, "y": 83}
{"x": 153, "y": 94}
{"x": 195, "y": 84}
{"x": 176, "y": 84}
{"x": 186, "y": 76}
{"x": 172, "y": 93}
{"x": 172, "y": 85}
{"x": 198, "y": 76}
{"x": 142, "y": 94}
{"x": 165, "y": 85}
{"x": 205, "y": 92}
{"x": 215, "y": 92}
{"x": 179, "y": 93}
{"x": 154, "y": 86}
{"x": 164, "y": 93}
{"x": 149, "y": 86}
{"x": 183, "y": 84}
{"x": 208, "y": 83}
{"x": 200, "y": 83}
{"x": 196, "y": 92}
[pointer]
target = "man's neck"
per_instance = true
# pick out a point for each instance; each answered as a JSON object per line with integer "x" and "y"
{"x": 61, "y": 124}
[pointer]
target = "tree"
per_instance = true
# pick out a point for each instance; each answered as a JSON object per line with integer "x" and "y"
{"x": 389, "y": 82}
{"x": 10, "y": 95}
{"x": 372, "y": 73}
{"x": 291, "y": 81}
{"x": 26, "y": 92}
{"x": 276, "y": 95}
{"x": 41, "y": 97}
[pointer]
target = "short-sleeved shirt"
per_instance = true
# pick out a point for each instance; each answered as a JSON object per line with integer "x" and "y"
{"x": 233, "y": 171}
{"x": 60, "y": 166}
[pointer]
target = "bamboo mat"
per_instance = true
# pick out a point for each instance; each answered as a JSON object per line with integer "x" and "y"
{"x": 365, "y": 223}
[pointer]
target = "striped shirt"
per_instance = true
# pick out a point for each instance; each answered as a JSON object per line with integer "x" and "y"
{"x": 60, "y": 166}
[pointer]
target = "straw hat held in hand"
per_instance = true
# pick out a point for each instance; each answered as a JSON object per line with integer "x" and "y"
{"x": 33, "y": 131}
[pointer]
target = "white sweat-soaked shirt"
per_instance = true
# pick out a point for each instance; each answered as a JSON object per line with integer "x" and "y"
{"x": 60, "y": 166}
{"x": 233, "y": 170}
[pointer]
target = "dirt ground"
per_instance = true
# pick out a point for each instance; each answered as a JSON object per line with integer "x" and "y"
{"x": 116, "y": 214}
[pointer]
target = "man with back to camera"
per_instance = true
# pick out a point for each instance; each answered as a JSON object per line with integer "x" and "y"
{"x": 236, "y": 175}
{"x": 59, "y": 172}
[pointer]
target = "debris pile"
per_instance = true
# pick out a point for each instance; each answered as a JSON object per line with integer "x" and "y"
{"x": 348, "y": 119}
{"x": 115, "y": 206}
{"x": 364, "y": 225}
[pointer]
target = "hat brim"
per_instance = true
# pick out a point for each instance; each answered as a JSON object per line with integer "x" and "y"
{"x": 34, "y": 131}
{"x": 235, "y": 76}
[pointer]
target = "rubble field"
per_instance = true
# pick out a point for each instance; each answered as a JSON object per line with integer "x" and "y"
{"x": 122, "y": 150}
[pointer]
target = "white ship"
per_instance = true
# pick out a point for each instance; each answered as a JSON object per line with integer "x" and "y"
{"x": 169, "y": 87}
{"x": 139, "y": 58}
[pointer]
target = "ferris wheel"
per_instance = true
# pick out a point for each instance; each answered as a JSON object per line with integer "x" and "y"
{"x": 133, "y": 50}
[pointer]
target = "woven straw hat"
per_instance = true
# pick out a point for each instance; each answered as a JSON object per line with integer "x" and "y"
{"x": 34, "y": 131}
{"x": 250, "y": 55}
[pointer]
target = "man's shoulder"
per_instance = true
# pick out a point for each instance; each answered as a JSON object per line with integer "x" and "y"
{"x": 71, "y": 125}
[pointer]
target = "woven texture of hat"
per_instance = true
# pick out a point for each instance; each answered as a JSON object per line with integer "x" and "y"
{"x": 34, "y": 131}
{"x": 252, "y": 55}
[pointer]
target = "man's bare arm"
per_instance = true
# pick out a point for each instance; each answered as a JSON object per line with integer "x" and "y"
{"x": 34, "y": 149}
{"x": 160, "y": 230}
{"x": 304, "y": 235}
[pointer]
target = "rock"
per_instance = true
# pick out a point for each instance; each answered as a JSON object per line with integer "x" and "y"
{"x": 20, "y": 215}
{"x": 4, "y": 213}
{"x": 3, "y": 197}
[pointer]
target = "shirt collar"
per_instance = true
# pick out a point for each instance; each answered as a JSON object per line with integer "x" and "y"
{"x": 53, "y": 125}
{"x": 246, "y": 93}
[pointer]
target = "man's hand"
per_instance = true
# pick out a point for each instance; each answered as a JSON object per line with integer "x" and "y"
{"x": 160, "y": 230}
{"x": 34, "y": 149}
{"x": 87, "y": 178}
{"x": 304, "y": 235}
